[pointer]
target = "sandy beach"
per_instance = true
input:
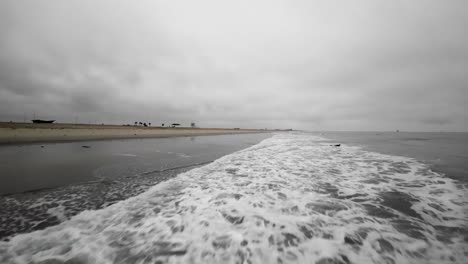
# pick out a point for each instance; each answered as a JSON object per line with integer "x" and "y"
{"x": 15, "y": 133}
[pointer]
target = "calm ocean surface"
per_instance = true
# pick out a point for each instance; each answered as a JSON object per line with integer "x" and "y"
{"x": 292, "y": 198}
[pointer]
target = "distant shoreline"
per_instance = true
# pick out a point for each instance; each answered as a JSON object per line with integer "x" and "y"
{"x": 28, "y": 133}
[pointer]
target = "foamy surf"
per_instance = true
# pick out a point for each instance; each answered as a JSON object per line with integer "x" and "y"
{"x": 290, "y": 199}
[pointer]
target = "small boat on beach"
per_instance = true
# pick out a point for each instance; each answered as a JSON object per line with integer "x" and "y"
{"x": 40, "y": 121}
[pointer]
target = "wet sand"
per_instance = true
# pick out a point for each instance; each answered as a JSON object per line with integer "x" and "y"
{"x": 14, "y": 133}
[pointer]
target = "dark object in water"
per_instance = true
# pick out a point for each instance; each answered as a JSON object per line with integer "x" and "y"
{"x": 336, "y": 145}
{"x": 40, "y": 121}
{"x": 86, "y": 146}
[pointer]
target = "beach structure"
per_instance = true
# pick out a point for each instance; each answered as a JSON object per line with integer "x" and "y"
{"x": 40, "y": 121}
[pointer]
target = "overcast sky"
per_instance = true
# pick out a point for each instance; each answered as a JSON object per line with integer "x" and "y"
{"x": 317, "y": 65}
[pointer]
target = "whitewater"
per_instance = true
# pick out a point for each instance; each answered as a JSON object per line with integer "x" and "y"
{"x": 292, "y": 198}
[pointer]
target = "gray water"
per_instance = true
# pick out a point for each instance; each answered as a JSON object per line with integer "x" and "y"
{"x": 446, "y": 153}
{"x": 292, "y": 198}
{"x": 45, "y": 184}
{"x": 41, "y": 166}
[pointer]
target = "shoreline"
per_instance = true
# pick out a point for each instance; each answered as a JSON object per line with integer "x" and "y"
{"x": 38, "y": 182}
{"x": 25, "y": 133}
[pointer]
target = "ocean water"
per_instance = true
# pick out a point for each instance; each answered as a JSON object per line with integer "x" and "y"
{"x": 292, "y": 198}
{"x": 33, "y": 167}
{"x": 42, "y": 185}
{"x": 444, "y": 152}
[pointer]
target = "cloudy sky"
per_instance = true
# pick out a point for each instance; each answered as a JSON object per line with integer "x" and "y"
{"x": 317, "y": 65}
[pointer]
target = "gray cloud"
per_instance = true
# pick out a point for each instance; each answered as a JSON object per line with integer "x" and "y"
{"x": 319, "y": 65}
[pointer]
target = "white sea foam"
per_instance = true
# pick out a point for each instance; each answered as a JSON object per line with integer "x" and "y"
{"x": 290, "y": 199}
{"x": 125, "y": 154}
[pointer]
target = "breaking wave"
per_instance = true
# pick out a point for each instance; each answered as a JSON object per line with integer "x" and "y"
{"x": 292, "y": 198}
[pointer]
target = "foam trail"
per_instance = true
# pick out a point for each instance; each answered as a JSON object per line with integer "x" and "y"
{"x": 290, "y": 199}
